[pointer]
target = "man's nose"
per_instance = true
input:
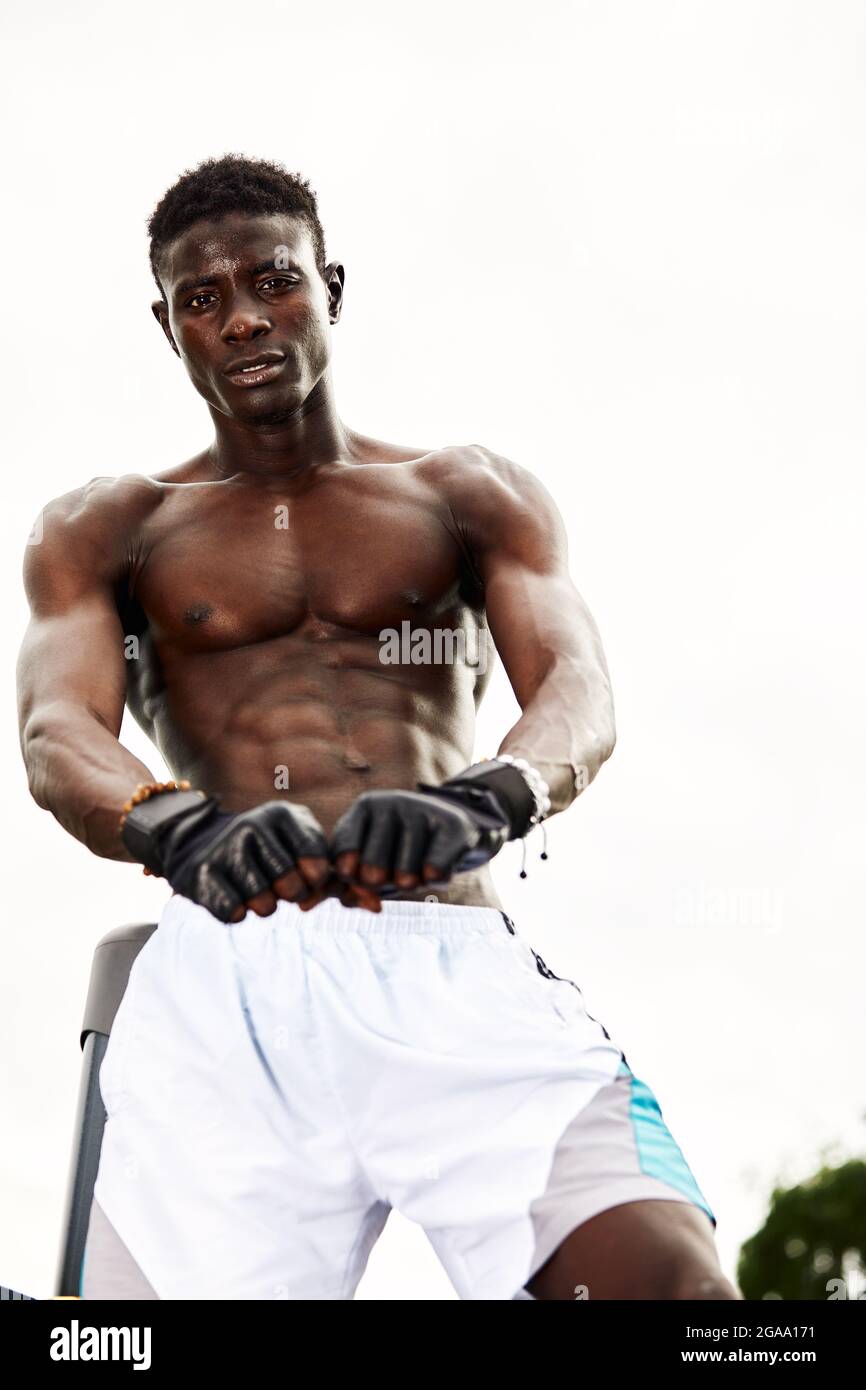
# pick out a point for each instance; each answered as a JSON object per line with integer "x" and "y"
{"x": 245, "y": 321}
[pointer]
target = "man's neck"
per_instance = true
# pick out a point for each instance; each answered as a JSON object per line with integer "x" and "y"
{"x": 311, "y": 435}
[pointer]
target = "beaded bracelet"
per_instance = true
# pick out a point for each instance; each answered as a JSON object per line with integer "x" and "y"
{"x": 143, "y": 792}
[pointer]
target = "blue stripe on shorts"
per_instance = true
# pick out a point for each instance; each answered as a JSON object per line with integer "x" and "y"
{"x": 658, "y": 1153}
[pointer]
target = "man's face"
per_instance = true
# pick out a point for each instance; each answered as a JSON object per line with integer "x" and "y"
{"x": 249, "y": 313}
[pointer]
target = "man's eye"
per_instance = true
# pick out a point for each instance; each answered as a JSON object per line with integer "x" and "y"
{"x": 279, "y": 281}
{"x": 196, "y": 301}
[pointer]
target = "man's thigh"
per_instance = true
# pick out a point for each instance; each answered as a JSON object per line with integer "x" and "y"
{"x": 649, "y": 1249}
{"x": 109, "y": 1271}
{"x": 622, "y": 1215}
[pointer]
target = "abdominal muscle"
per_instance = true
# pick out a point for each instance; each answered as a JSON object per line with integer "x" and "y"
{"x": 323, "y": 757}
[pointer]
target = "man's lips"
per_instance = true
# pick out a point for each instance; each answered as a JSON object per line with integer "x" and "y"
{"x": 255, "y": 371}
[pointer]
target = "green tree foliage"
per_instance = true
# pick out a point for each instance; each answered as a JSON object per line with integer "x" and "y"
{"x": 814, "y": 1233}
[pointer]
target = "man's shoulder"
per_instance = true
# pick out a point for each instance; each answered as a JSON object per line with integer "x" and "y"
{"x": 473, "y": 476}
{"x": 104, "y": 500}
{"x": 470, "y": 467}
{"x": 91, "y": 528}
{"x": 125, "y": 497}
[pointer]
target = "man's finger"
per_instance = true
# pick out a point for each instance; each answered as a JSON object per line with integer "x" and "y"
{"x": 377, "y": 851}
{"x": 356, "y": 895}
{"x": 313, "y": 898}
{"x": 214, "y": 891}
{"x": 314, "y": 869}
{"x": 290, "y": 886}
{"x": 263, "y": 904}
{"x": 432, "y": 874}
{"x": 349, "y": 832}
{"x": 347, "y": 864}
{"x": 405, "y": 882}
{"x": 410, "y": 852}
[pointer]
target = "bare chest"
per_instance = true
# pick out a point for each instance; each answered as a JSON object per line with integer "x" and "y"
{"x": 220, "y": 568}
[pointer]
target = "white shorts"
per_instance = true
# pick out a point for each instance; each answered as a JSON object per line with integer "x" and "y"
{"x": 274, "y": 1088}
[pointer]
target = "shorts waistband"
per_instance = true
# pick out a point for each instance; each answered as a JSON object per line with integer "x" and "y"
{"x": 332, "y": 916}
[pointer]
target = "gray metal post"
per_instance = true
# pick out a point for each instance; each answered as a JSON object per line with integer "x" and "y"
{"x": 113, "y": 959}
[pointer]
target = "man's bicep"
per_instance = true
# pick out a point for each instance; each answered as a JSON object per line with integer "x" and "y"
{"x": 534, "y": 611}
{"x": 74, "y": 660}
{"x": 518, "y": 540}
{"x": 536, "y": 617}
{"x": 73, "y": 651}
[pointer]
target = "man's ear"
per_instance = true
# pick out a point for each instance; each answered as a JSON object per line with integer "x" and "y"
{"x": 159, "y": 309}
{"x": 335, "y": 279}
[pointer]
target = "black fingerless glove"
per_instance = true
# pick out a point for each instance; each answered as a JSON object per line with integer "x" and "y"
{"x": 220, "y": 859}
{"x": 155, "y": 830}
{"x": 454, "y": 827}
{"x": 491, "y": 790}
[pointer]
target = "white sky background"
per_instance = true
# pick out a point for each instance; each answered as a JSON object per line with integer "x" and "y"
{"x": 622, "y": 244}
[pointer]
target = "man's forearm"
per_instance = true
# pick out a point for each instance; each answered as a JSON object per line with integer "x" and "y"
{"x": 567, "y": 730}
{"x": 79, "y": 772}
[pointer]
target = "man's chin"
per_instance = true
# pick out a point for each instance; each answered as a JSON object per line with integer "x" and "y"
{"x": 263, "y": 409}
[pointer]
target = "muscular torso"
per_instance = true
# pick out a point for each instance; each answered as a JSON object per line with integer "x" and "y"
{"x": 257, "y": 605}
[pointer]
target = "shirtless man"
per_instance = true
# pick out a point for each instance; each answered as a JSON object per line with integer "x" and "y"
{"x": 335, "y": 1016}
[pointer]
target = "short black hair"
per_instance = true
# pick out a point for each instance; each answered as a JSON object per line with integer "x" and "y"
{"x": 232, "y": 183}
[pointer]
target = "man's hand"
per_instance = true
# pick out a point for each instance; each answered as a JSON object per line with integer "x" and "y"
{"x": 235, "y": 862}
{"x": 395, "y": 841}
{"x": 241, "y": 862}
{"x": 230, "y": 862}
